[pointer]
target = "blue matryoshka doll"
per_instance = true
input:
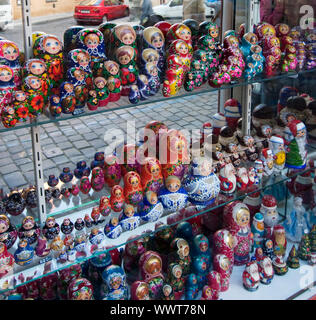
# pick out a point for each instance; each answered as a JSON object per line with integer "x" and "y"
{"x": 115, "y": 279}
{"x": 149, "y": 55}
{"x": 24, "y": 253}
{"x": 172, "y": 196}
{"x": 129, "y": 218}
{"x": 81, "y": 169}
{"x": 152, "y": 73}
{"x": 67, "y": 97}
{"x": 201, "y": 267}
{"x": 70, "y": 36}
{"x": 134, "y": 94}
{"x": 7, "y": 85}
{"x": 191, "y": 287}
{"x": 152, "y": 209}
{"x": 248, "y": 40}
{"x": 201, "y": 247}
{"x": 143, "y": 87}
{"x": 55, "y": 105}
{"x": 66, "y": 176}
{"x": 113, "y": 229}
{"x": 98, "y": 160}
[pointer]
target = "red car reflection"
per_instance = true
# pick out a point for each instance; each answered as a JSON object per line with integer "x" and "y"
{"x": 98, "y": 11}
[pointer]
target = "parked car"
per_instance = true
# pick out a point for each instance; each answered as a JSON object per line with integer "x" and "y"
{"x": 98, "y": 11}
{"x": 174, "y": 8}
{"x": 5, "y": 14}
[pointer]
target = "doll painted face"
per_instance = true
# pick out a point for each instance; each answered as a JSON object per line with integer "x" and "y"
{"x": 20, "y": 96}
{"x": 157, "y": 41}
{"x": 37, "y": 67}
{"x": 100, "y": 82}
{"x": 183, "y": 48}
{"x": 34, "y": 82}
{"x": 233, "y": 41}
{"x": 50, "y": 222}
{"x": 4, "y": 224}
{"x": 10, "y": 52}
{"x": 173, "y": 184}
{"x": 28, "y": 223}
{"x": 69, "y": 87}
{"x": 167, "y": 290}
{"x": 83, "y": 59}
{"x": 124, "y": 58}
{"x": 177, "y": 271}
{"x": 129, "y": 211}
{"x": 52, "y": 45}
{"x": 153, "y": 71}
{"x": 152, "y": 197}
{"x": 153, "y": 265}
{"x": 243, "y": 217}
{"x": 114, "y": 222}
{"x": 150, "y": 55}
{"x": 79, "y": 75}
{"x": 184, "y": 33}
{"x": 5, "y": 74}
{"x": 142, "y": 292}
{"x": 92, "y": 41}
{"x": 118, "y": 193}
{"x": 135, "y": 182}
{"x": 268, "y": 31}
{"x": 127, "y": 36}
{"x": 284, "y": 29}
{"x": 214, "y": 32}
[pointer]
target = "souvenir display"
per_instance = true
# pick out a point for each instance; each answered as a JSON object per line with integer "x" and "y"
{"x": 6, "y": 261}
{"x": 251, "y": 277}
{"x": 152, "y": 208}
{"x": 29, "y": 230}
{"x": 293, "y": 260}
{"x": 8, "y": 232}
{"x": 266, "y": 270}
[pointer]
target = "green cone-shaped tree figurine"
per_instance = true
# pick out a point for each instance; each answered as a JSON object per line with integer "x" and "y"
{"x": 293, "y": 260}
{"x": 312, "y": 236}
{"x": 304, "y": 248}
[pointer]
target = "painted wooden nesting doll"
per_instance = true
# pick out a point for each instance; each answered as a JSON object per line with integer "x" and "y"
{"x": 117, "y": 199}
{"x": 133, "y": 191}
{"x": 152, "y": 56}
{"x": 152, "y": 73}
{"x": 181, "y": 48}
{"x": 174, "y": 76}
{"x": 105, "y": 206}
{"x": 97, "y": 179}
{"x": 9, "y": 55}
{"x": 81, "y": 170}
{"x": 126, "y": 57}
{"x": 55, "y": 108}
{"x": 50, "y": 49}
{"x": 6, "y": 261}
{"x": 112, "y": 171}
{"x": 85, "y": 185}
{"x": 70, "y": 36}
{"x": 122, "y": 35}
{"x": 8, "y": 232}
{"x": 98, "y": 160}
{"x": 128, "y": 159}
{"x": 180, "y": 31}
{"x": 113, "y": 229}
{"x": 77, "y": 77}
{"x": 151, "y": 175}
{"x": 8, "y": 116}
{"x": 106, "y": 29}
{"x": 134, "y": 94}
{"x": 92, "y": 101}
{"x": 195, "y": 77}
{"x": 153, "y": 38}
{"x": 29, "y": 230}
{"x": 33, "y": 86}
{"x": 194, "y": 27}
{"x": 152, "y": 208}
{"x": 92, "y": 41}
{"x": 51, "y": 228}
{"x": 102, "y": 90}
{"x": 143, "y": 87}
{"x": 111, "y": 72}
{"x": 67, "y": 97}
{"x": 129, "y": 218}
{"x": 21, "y": 106}
{"x": 7, "y": 85}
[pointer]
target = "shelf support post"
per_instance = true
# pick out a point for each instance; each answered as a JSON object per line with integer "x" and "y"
{"x": 36, "y": 145}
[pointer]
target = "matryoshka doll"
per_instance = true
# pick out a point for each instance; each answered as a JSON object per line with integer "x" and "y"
{"x": 98, "y": 160}
{"x": 29, "y": 230}
{"x": 299, "y": 45}
{"x": 97, "y": 179}
{"x": 180, "y": 253}
{"x": 81, "y": 169}
{"x": 143, "y": 87}
{"x": 134, "y": 94}
{"x": 150, "y": 56}
{"x": 133, "y": 191}
{"x": 237, "y": 220}
{"x": 152, "y": 73}
{"x": 24, "y": 253}
{"x": 8, "y": 232}
{"x": 85, "y": 185}
{"x": 69, "y": 37}
{"x": 129, "y": 218}
{"x": 150, "y": 265}
{"x": 180, "y": 31}
{"x": 126, "y": 57}
{"x": 106, "y": 29}
{"x": 140, "y": 291}
{"x": 153, "y": 38}
{"x": 115, "y": 279}
{"x": 152, "y": 208}
{"x": 50, "y": 49}
{"x": 80, "y": 289}
{"x": 113, "y": 229}
{"x": 7, "y": 85}
{"x": 77, "y": 77}
{"x": 111, "y": 72}
{"x": 67, "y": 97}
{"x": 92, "y": 41}
{"x": 10, "y": 56}
{"x": 181, "y": 48}
{"x": 112, "y": 171}
{"x": 195, "y": 77}
{"x": 104, "y": 206}
{"x": 102, "y": 90}
{"x": 174, "y": 76}
{"x": 6, "y": 261}
{"x": 122, "y": 35}
{"x": 20, "y": 104}
{"x": 222, "y": 265}
{"x": 92, "y": 101}
{"x": 214, "y": 282}
{"x": 55, "y": 105}
{"x": 151, "y": 175}
{"x": 51, "y": 228}
{"x": 117, "y": 199}
{"x": 282, "y": 32}
{"x": 211, "y": 30}
{"x": 176, "y": 280}
{"x": 173, "y": 197}
{"x": 128, "y": 159}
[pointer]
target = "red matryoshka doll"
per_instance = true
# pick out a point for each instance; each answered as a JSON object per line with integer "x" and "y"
{"x": 174, "y": 76}
{"x": 151, "y": 175}
{"x": 128, "y": 159}
{"x": 6, "y": 261}
{"x": 10, "y": 56}
{"x": 163, "y": 26}
{"x": 150, "y": 265}
{"x": 112, "y": 74}
{"x": 221, "y": 264}
{"x": 126, "y": 58}
{"x": 97, "y": 179}
{"x": 8, "y": 232}
{"x": 104, "y": 206}
{"x": 20, "y": 104}
{"x": 174, "y": 153}
{"x": 133, "y": 191}
{"x": 181, "y": 48}
{"x": 102, "y": 91}
{"x": 224, "y": 243}
{"x": 50, "y": 49}
{"x": 265, "y": 30}
{"x": 140, "y": 290}
{"x": 33, "y": 86}
{"x": 122, "y": 35}
{"x": 282, "y": 32}
{"x": 155, "y": 128}
{"x": 112, "y": 171}
{"x": 85, "y": 185}
{"x": 7, "y": 85}
{"x": 180, "y": 31}
{"x": 80, "y": 289}
{"x": 236, "y": 218}
{"x": 117, "y": 199}
{"x": 214, "y": 282}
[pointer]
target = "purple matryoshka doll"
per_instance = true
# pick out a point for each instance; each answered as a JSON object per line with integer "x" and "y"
{"x": 10, "y": 56}
{"x": 112, "y": 171}
{"x": 112, "y": 74}
{"x": 126, "y": 57}
{"x": 67, "y": 97}
{"x": 150, "y": 264}
{"x": 92, "y": 41}
{"x": 97, "y": 179}
{"x": 152, "y": 73}
{"x": 181, "y": 48}
{"x": 37, "y": 67}
{"x": 50, "y": 49}
{"x": 7, "y": 85}
{"x": 102, "y": 91}
{"x": 55, "y": 105}
{"x": 33, "y": 86}
{"x": 21, "y": 105}
{"x": 153, "y": 38}
{"x": 8, "y": 232}
{"x": 77, "y": 77}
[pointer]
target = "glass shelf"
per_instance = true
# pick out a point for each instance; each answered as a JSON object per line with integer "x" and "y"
{"x": 124, "y": 103}
{"x": 36, "y": 269}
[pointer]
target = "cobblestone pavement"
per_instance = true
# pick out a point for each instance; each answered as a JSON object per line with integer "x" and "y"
{"x": 66, "y": 142}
